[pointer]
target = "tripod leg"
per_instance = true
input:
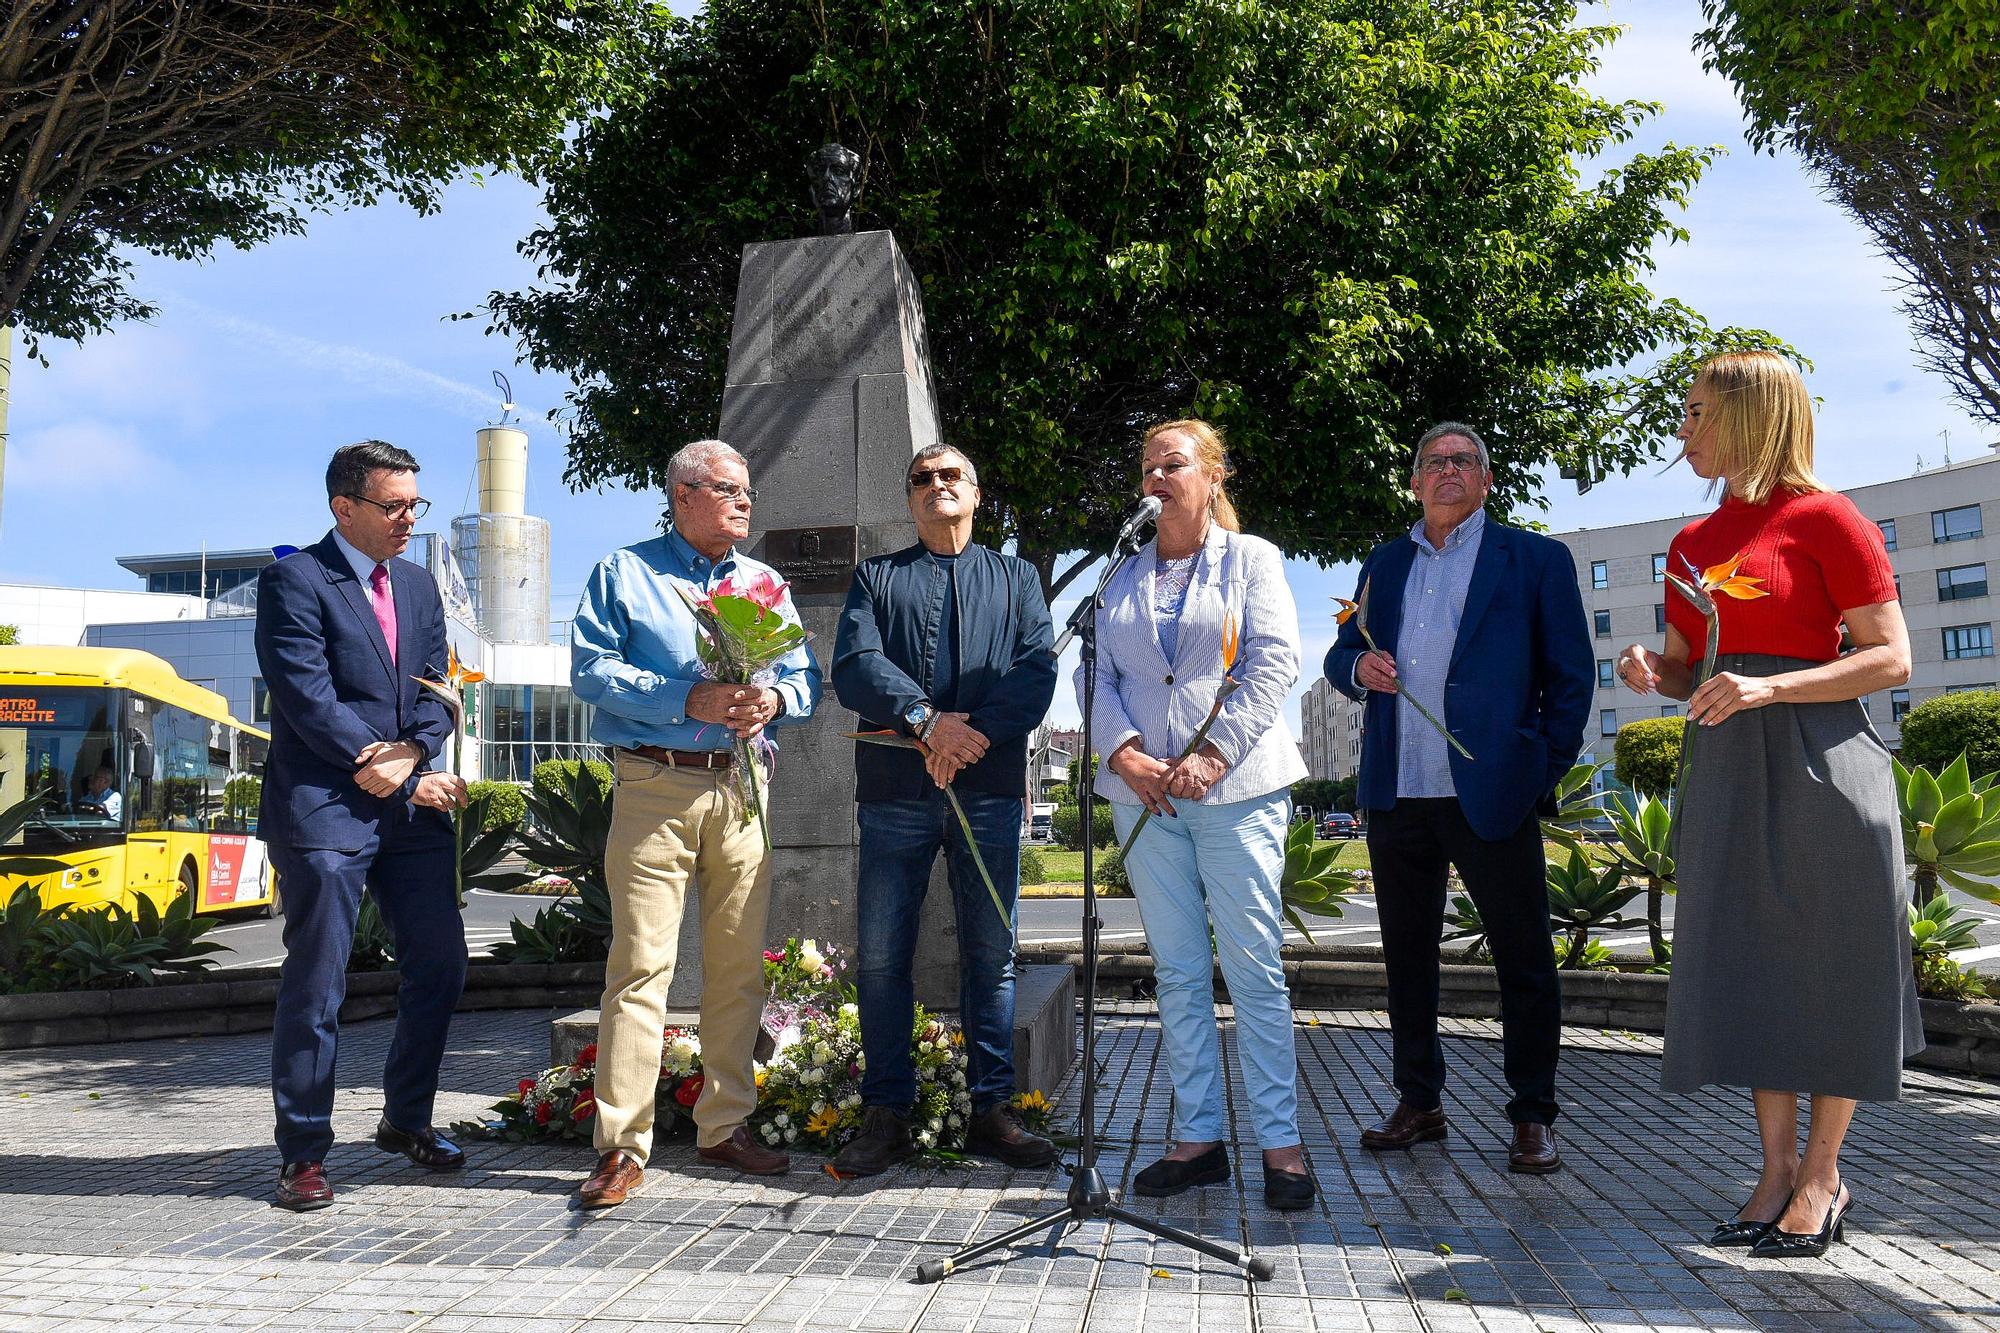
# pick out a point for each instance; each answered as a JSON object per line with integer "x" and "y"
{"x": 936, "y": 1269}
{"x": 1252, "y": 1265}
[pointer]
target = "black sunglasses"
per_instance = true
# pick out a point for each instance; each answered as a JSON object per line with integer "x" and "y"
{"x": 924, "y": 476}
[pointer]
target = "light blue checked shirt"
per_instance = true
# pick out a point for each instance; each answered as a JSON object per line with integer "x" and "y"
{"x": 1433, "y": 602}
{"x": 633, "y": 650}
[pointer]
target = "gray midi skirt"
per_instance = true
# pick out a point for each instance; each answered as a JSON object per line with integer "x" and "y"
{"x": 1791, "y": 967}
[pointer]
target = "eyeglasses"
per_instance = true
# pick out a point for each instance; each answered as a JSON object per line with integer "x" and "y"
{"x": 396, "y": 509}
{"x": 726, "y": 490}
{"x": 1439, "y": 464}
{"x": 924, "y": 476}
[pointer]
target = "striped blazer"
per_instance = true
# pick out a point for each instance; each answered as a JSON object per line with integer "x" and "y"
{"x": 1140, "y": 693}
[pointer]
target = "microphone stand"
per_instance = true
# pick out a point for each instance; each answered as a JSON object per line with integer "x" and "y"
{"x": 1089, "y": 1196}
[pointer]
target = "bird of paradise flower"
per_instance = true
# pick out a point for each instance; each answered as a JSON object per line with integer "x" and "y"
{"x": 1701, "y": 588}
{"x": 1357, "y": 611}
{"x": 1228, "y": 686}
{"x": 452, "y": 691}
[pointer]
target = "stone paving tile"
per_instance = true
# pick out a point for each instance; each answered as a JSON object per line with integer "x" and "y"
{"x": 172, "y": 1228}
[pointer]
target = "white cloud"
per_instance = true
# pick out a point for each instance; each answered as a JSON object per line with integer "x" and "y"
{"x": 77, "y": 457}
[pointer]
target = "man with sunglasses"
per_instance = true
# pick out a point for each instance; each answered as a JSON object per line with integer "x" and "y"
{"x": 948, "y": 643}
{"x": 345, "y": 630}
{"x": 1482, "y": 624}
{"x": 678, "y": 818}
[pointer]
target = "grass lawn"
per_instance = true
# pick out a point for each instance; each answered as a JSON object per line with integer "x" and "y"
{"x": 1065, "y": 869}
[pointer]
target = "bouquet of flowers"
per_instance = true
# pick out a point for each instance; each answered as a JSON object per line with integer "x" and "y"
{"x": 743, "y": 638}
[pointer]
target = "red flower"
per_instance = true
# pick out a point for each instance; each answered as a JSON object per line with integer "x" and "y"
{"x": 526, "y": 1086}
{"x": 588, "y": 1055}
{"x": 585, "y": 1108}
{"x": 773, "y": 956}
{"x": 689, "y": 1090}
{"x": 542, "y": 1113}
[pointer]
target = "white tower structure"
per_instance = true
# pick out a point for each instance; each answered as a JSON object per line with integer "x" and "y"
{"x": 503, "y": 551}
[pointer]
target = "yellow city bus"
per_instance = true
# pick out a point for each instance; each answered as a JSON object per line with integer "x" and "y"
{"x": 150, "y": 786}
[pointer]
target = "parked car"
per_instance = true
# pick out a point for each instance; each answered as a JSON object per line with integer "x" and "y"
{"x": 1338, "y": 825}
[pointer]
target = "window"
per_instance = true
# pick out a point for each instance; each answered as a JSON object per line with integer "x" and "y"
{"x": 1899, "y": 586}
{"x": 1605, "y": 680}
{"x": 1967, "y": 689}
{"x": 1607, "y": 722}
{"x": 1899, "y": 704}
{"x": 1601, "y": 623}
{"x": 1967, "y": 641}
{"x": 1660, "y": 618}
{"x": 1670, "y": 710}
{"x": 1600, "y": 574}
{"x": 260, "y": 700}
{"x": 1956, "y": 525}
{"x": 1660, "y": 567}
{"x": 1961, "y": 581}
{"x": 1888, "y": 526}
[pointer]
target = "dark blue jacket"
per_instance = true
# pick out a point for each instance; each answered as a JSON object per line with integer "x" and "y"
{"x": 334, "y": 692}
{"x": 1517, "y": 693}
{"x": 887, "y": 645}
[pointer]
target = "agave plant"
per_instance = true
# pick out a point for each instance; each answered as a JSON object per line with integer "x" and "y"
{"x": 1310, "y": 883}
{"x": 570, "y": 822}
{"x": 1576, "y": 806}
{"x": 1583, "y": 898}
{"x": 1951, "y": 829}
{"x": 1466, "y": 924}
{"x": 113, "y": 947}
{"x": 1643, "y": 847}
{"x": 1940, "y": 928}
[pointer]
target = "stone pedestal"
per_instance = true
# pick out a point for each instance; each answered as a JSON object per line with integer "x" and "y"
{"x": 828, "y": 397}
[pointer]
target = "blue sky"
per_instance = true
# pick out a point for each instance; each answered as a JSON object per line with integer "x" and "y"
{"x": 212, "y": 423}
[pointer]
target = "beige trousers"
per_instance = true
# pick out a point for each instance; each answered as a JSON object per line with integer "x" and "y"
{"x": 670, "y": 826}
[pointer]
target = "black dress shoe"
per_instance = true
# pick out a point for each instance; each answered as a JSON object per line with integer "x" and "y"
{"x": 426, "y": 1147}
{"x": 1811, "y": 1244}
{"x": 1287, "y": 1191}
{"x": 1168, "y": 1177}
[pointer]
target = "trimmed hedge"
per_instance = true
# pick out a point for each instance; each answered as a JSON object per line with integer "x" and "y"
{"x": 1067, "y": 826}
{"x": 1937, "y": 729}
{"x": 556, "y": 774}
{"x": 1647, "y": 754}
{"x": 510, "y": 803}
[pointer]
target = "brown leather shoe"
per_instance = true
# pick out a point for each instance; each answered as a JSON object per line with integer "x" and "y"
{"x": 618, "y": 1174}
{"x": 1534, "y": 1150}
{"x": 750, "y": 1158}
{"x": 302, "y": 1187}
{"x": 1405, "y": 1127}
{"x": 998, "y": 1132}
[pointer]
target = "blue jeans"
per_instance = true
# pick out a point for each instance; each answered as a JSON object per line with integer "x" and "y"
{"x": 899, "y": 844}
{"x": 1219, "y": 866}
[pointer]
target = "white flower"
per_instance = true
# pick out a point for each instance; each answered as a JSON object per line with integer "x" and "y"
{"x": 819, "y": 1107}
{"x": 781, "y": 1119}
{"x": 848, "y": 1011}
{"x": 926, "y": 1138}
{"x": 791, "y": 1136}
{"x": 811, "y": 961}
{"x": 770, "y": 1134}
{"x": 954, "y": 1120}
{"x": 927, "y": 1073}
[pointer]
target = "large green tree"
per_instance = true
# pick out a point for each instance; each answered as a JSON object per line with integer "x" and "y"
{"x": 1893, "y": 107}
{"x": 170, "y": 126}
{"x": 1323, "y": 224}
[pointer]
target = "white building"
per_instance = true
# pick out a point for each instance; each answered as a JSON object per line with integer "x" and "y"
{"x": 1942, "y": 527}
{"x": 1331, "y": 727}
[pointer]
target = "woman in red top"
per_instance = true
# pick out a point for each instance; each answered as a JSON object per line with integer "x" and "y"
{"x": 1791, "y": 967}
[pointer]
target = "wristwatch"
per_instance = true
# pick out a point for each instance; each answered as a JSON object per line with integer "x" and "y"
{"x": 921, "y": 717}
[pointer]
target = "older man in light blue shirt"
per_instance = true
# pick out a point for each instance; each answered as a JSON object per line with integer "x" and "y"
{"x": 680, "y": 813}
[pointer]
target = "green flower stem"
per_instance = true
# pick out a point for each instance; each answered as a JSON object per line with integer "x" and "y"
{"x": 1423, "y": 712}
{"x": 1194, "y": 743}
{"x": 748, "y": 761}
{"x": 972, "y": 843}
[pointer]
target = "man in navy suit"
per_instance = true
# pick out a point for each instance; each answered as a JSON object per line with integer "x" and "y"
{"x": 1482, "y": 624}
{"x": 344, "y": 631}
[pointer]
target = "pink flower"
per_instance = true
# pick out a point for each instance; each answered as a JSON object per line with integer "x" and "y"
{"x": 767, "y": 590}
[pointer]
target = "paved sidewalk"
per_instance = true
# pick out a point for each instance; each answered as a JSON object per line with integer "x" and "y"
{"x": 134, "y": 1182}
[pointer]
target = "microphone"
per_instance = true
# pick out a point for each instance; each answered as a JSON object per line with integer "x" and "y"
{"x": 1148, "y": 509}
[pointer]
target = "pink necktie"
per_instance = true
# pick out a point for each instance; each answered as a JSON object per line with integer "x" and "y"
{"x": 385, "y": 607}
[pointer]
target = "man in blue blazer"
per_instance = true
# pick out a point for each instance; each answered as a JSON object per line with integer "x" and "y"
{"x": 344, "y": 632}
{"x": 1483, "y": 625}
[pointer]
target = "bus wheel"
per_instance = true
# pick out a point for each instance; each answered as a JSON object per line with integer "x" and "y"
{"x": 190, "y": 884}
{"x": 274, "y": 908}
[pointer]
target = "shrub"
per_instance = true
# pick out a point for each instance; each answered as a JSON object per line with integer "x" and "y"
{"x": 1109, "y": 867}
{"x": 1937, "y": 729}
{"x": 1067, "y": 823}
{"x": 1939, "y": 978}
{"x": 508, "y": 807}
{"x": 556, "y": 774}
{"x": 1647, "y": 755}
{"x": 1033, "y": 869}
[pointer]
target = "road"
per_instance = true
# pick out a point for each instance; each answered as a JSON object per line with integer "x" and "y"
{"x": 1047, "y": 920}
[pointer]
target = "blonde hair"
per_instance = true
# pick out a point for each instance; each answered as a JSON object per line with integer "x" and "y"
{"x": 1756, "y": 410}
{"x": 1210, "y": 452}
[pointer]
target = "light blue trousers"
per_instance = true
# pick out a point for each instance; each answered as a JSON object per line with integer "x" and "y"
{"x": 1220, "y": 866}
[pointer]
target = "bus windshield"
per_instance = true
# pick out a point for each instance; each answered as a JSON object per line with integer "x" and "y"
{"x": 67, "y": 740}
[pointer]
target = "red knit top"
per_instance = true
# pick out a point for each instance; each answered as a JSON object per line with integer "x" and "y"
{"x": 1817, "y": 556}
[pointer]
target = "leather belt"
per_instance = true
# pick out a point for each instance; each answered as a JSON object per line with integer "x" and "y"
{"x": 684, "y": 758}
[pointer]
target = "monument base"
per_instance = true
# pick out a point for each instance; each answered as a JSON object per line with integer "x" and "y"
{"x": 1044, "y": 1028}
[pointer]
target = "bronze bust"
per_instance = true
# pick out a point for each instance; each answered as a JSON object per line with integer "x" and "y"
{"x": 835, "y": 173}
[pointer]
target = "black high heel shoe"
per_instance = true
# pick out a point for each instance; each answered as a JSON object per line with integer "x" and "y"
{"x": 1808, "y": 1245}
{"x": 1741, "y": 1230}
